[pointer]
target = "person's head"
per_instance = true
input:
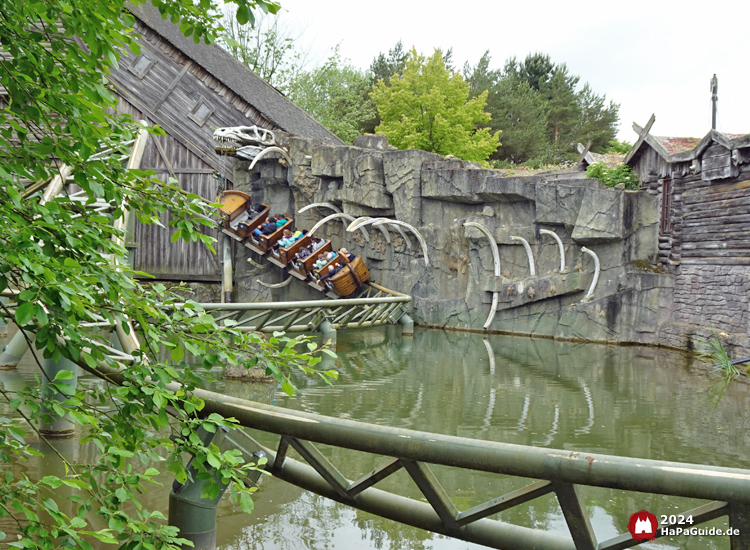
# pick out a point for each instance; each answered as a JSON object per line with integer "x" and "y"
{"x": 321, "y": 257}
{"x": 287, "y": 233}
{"x": 344, "y": 251}
{"x": 316, "y": 240}
{"x": 271, "y": 219}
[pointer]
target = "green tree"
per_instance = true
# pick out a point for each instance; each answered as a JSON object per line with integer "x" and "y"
{"x": 480, "y": 77}
{"x": 597, "y": 121}
{"x": 564, "y": 111}
{"x": 517, "y": 110}
{"x": 269, "y": 48}
{"x": 536, "y": 70}
{"x": 428, "y": 108}
{"x": 59, "y": 257}
{"x": 384, "y": 67}
{"x": 521, "y": 115}
{"x": 335, "y": 94}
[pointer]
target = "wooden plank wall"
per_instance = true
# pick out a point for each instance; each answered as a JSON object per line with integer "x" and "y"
{"x": 155, "y": 254}
{"x": 171, "y": 89}
{"x": 166, "y": 95}
{"x": 711, "y": 221}
{"x": 649, "y": 165}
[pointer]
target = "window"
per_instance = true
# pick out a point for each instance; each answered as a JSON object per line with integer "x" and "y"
{"x": 141, "y": 65}
{"x": 201, "y": 111}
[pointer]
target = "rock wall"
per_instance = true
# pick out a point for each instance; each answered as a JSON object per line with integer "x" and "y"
{"x": 710, "y": 298}
{"x": 633, "y": 300}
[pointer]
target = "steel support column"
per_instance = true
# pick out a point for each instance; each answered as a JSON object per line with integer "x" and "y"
{"x": 739, "y": 519}
{"x": 226, "y": 274}
{"x": 3, "y": 321}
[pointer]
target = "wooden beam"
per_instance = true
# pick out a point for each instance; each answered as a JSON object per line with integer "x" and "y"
{"x": 183, "y": 170}
{"x": 172, "y": 85}
{"x": 171, "y": 131}
{"x": 641, "y": 138}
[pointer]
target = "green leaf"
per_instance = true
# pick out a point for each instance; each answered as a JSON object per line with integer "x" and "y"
{"x": 176, "y": 236}
{"x": 287, "y": 387}
{"x": 64, "y": 375}
{"x": 246, "y": 503}
{"x": 24, "y": 313}
{"x": 177, "y": 353}
{"x": 213, "y": 461}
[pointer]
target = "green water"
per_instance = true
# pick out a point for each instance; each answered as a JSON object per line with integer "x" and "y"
{"x": 625, "y": 401}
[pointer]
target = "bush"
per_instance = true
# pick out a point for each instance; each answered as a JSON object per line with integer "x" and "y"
{"x": 611, "y": 176}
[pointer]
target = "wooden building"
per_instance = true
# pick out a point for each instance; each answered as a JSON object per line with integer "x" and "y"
{"x": 190, "y": 90}
{"x": 704, "y": 191}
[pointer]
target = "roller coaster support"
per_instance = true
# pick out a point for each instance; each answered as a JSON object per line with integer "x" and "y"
{"x": 328, "y": 331}
{"x": 193, "y": 514}
{"x": 14, "y": 351}
{"x": 408, "y": 324}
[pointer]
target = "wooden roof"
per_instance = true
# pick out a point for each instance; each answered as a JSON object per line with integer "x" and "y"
{"x": 680, "y": 149}
{"x": 271, "y": 103}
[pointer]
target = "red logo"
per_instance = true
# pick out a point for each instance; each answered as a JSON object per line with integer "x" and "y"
{"x": 643, "y": 525}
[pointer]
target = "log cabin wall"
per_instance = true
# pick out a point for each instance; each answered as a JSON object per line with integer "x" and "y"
{"x": 707, "y": 242}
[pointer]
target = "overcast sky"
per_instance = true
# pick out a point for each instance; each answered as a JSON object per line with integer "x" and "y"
{"x": 648, "y": 56}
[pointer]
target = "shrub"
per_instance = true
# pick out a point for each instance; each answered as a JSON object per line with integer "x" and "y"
{"x": 611, "y": 176}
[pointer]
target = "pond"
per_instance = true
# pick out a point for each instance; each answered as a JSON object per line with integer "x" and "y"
{"x": 626, "y": 401}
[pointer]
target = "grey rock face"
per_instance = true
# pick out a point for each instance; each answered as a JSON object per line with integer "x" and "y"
{"x": 632, "y": 302}
{"x": 364, "y": 182}
{"x": 402, "y": 171}
{"x": 377, "y": 142}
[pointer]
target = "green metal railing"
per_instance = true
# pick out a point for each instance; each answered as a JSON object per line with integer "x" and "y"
{"x": 559, "y": 472}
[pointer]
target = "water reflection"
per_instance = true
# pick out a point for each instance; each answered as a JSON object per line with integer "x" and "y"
{"x": 626, "y": 401}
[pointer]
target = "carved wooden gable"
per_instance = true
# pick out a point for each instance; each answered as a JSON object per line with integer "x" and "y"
{"x": 716, "y": 163}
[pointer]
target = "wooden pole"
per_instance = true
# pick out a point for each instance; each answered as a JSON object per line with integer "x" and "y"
{"x": 714, "y": 99}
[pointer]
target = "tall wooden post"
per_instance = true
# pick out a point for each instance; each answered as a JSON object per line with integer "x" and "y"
{"x": 714, "y": 99}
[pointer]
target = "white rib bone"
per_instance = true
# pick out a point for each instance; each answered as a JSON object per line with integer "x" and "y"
{"x": 276, "y": 285}
{"x": 596, "y": 271}
{"x": 318, "y": 205}
{"x": 526, "y": 246}
{"x": 362, "y": 221}
{"x": 560, "y": 246}
{"x": 496, "y": 261}
{"x": 269, "y": 150}
{"x": 335, "y": 216}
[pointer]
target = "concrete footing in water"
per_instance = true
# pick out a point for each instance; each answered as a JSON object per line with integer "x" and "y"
{"x": 328, "y": 332}
{"x": 14, "y": 351}
{"x": 408, "y": 324}
{"x": 57, "y": 426}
